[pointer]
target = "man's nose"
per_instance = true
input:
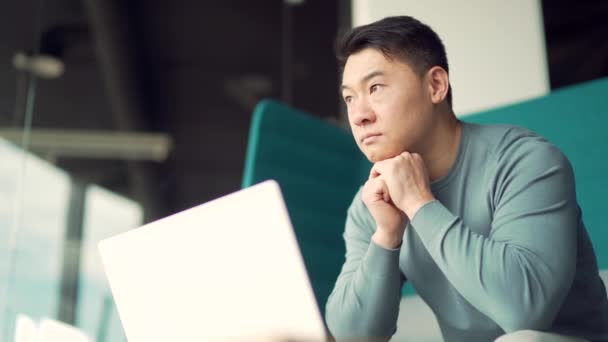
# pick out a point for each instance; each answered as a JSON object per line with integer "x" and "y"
{"x": 362, "y": 113}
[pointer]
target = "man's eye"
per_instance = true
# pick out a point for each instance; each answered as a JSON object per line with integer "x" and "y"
{"x": 374, "y": 88}
{"x": 348, "y": 99}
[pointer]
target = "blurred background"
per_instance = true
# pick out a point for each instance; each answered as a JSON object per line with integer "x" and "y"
{"x": 115, "y": 113}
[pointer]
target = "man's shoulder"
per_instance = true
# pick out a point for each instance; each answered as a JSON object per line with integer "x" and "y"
{"x": 509, "y": 141}
{"x": 512, "y": 145}
{"x": 497, "y": 135}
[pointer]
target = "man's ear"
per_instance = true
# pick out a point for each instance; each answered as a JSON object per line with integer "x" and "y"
{"x": 439, "y": 84}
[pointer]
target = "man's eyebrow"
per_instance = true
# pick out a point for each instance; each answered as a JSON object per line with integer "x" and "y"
{"x": 365, "y": 78}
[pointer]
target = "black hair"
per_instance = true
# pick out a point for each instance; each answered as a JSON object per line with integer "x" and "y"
{"x": 401, "y": 37}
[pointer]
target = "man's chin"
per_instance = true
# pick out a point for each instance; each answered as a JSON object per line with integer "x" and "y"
{"x": 377, "y": 155}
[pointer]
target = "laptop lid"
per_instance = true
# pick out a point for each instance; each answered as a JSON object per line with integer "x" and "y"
{"x": 227, "y": 269}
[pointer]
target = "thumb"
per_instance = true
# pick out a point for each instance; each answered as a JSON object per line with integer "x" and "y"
{"x": 382, "y": 189}
{"x": 387, "y": 197}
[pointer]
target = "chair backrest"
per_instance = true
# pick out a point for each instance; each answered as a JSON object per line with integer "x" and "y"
{"x": 319, "y": 170}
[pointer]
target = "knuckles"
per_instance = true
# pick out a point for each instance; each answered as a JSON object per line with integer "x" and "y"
{"x": 391, "y": 166}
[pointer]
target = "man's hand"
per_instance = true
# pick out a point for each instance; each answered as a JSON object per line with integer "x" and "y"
{"x": 390, "y": 221}
{"x": 407, "y": 181}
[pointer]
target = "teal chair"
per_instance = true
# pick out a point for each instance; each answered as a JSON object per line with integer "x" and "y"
{"x": 320, "y": 168}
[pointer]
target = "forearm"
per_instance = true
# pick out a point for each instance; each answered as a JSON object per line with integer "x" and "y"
{"x": 365, "y": 300}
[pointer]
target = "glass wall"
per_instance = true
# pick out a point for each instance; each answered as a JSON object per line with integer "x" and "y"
{"x": 36, "y": 206}
{"x": 33, "y": 206}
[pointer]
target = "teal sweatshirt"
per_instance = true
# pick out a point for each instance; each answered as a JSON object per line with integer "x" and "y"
{"x": 502, "y": 248}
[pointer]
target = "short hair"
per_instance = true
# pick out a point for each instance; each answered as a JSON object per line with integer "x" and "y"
{"x": 403, "y": 37}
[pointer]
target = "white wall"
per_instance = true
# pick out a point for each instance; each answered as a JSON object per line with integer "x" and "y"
{"x": 496, "y": 49}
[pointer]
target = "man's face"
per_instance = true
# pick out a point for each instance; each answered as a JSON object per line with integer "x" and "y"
{"x": 389, "y": 105}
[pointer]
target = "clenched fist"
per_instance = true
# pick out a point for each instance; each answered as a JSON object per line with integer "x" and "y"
{"x": 407, "y": 181}
{"x": 390, "y": 220}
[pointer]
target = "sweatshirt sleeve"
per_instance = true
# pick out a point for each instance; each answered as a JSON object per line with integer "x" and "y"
{"x": 521, "y": 272}
{"x": 365, "y": 300}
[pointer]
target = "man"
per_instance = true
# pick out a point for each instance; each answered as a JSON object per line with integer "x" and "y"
{"x": 482, "y": 220}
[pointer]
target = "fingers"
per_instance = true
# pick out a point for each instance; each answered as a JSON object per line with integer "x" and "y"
{"x": 377, "y": 188}
{"x": 413, "y": 156}
{"x": 375, "y": 171}
{"x": 380, "y": 167}
{"x": 386, "y": 196}
{"x": 387, "y": 167}
{"x": 380, "y": 189}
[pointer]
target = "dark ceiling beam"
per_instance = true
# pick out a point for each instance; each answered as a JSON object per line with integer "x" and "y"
{"x": 117, "y": 56}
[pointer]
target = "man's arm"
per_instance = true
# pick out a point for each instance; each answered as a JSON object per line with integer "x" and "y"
{"x": 365, "y": 299}
{"x": 520, "y": 274}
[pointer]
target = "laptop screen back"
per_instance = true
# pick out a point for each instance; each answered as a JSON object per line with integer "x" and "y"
{"x": 227, "y": 269}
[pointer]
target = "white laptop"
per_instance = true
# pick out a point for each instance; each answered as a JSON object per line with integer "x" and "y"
{"x": 227, "y": 270}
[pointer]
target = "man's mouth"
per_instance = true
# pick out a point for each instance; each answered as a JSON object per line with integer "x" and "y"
{"x": 370, "y": 138}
